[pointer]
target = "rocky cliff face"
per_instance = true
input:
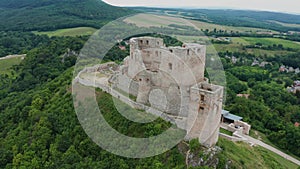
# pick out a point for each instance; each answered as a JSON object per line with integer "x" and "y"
{"x": 200, "y": 156}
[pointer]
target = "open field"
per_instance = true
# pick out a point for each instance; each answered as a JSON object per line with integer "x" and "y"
{"x": 271, "y": 41}
{"x": 148, "y": 20}
{"x": 238, "y": 43}
{"x": 265, "y": 41}
{"x": 287, "y": 24}
{"x": 238, "y": 40}
{"x": 244, "y": 155}
{"x": 79, "y": 31}
{"x": 210, "y": 26}
{"x": 6, "y": 64}
{"x": 239, "y": 48}
{"x": 193, "y": 39}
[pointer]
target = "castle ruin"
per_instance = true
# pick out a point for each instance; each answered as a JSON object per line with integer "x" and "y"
{"x": 171, "y": 79}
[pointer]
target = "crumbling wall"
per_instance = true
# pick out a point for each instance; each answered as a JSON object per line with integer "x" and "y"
{"x": 245, "y": 126}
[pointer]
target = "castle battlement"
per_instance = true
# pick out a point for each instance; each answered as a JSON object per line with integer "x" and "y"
{"x": 151, "y": 54}
{"x": 145, "y": 42}
{"x": 148, "y": 44}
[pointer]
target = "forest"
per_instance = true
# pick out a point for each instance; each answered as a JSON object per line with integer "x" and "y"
{"x": 12, "y": 42}
{"x": 41, "y": 128}
{"x": 38, "y": 124}
{"x": 270, "y": 109}
{"x": 47, "y": 15}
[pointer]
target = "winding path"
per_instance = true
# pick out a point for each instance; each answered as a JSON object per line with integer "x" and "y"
{"x": 12, "y": 56}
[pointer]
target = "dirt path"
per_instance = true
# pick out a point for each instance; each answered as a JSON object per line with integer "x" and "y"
{"x": 12, "y": 56}
{"x": 187, "y": 158}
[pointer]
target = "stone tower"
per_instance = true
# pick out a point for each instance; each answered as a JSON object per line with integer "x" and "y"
{"x": 205, "y": 113}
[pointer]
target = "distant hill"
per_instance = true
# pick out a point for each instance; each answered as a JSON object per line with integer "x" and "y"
{"x": 260, "y": 19}
{"x": 45, "y": 15}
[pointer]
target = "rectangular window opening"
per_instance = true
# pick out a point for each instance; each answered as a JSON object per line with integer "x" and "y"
{"x": 170, "y": 66}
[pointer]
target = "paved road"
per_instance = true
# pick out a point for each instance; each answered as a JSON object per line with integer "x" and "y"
{"x": 282, "y": 154}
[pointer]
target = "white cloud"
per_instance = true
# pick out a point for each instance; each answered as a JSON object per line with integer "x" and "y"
{"x": 290, "y": 6}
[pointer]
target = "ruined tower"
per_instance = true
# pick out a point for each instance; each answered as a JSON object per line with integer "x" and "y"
{"x": 178, "y": 72}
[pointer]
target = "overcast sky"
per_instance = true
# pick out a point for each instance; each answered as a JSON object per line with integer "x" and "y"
{"x": 289, "y": 6}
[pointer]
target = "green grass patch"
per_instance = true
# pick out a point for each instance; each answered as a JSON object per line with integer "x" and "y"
{"x": 211, "y": 26}
{"x": 238, "y": 45}
{"x": 271, "y": 41}
{"x": 245, "y": 156}
{"x": 238, "y": 40}
{"x": 132, "y": 97}
{"x": 225, "y": 132}
{"x": 126, "y": 120}
{"x": 192, "y": 39}
{"x": 149, "y": 20}
{"x": 287, "y": 24}
{"x": 6, "y": 64}
{"x": 235, "y": 47}
{"x": 270, "y": 158}
{"x": 262, "y": 137}
{"x": 79, "y": 31}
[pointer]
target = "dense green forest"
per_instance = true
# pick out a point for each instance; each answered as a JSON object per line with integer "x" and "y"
{"x": 19, "y": 42}
{"x": 28, "y": 15}
{"x": 270, "y": 108}
{"x": 41, "y": 130}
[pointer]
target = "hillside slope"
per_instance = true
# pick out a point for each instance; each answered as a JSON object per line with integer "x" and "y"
{"x": 44, "y": 132}
{"x": 44, "y": 15}
{"x": 39, "y": 127}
